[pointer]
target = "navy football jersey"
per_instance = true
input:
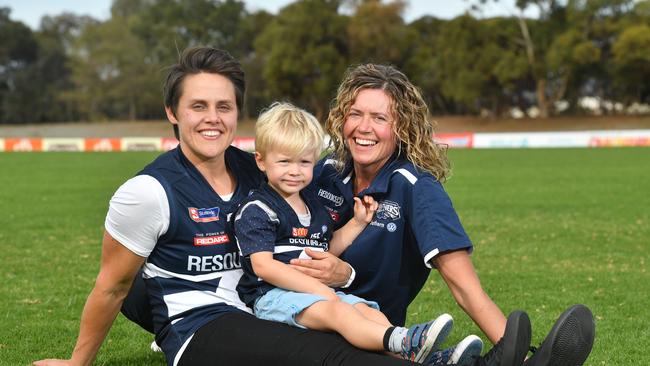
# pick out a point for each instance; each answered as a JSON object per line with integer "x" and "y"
{"x": 415, "y": 221}
{"x": 266, "y": 222}
{"x": 192, "y": 272}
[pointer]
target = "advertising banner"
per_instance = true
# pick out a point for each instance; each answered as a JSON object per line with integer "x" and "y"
{"x": 463, "y": 140}
{"x": 23, "y": 144}
{"x": 141, "y": 144}
{"x": 63, "y": 144}
{"x": 620, "y": 138}
{"x": 103, "y": 144}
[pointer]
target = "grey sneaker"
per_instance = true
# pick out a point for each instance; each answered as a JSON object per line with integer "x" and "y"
{"x": 570, "y": 340}
{"x": 463, "y": 354}
{"x": 423, "y": 339}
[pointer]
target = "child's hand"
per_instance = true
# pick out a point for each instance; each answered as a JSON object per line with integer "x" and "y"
{"x": 364, "y": 209}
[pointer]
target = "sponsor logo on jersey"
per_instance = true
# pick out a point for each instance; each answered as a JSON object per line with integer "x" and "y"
{"x": 337, "y": 200}
{"x": 377, "y": 224}
{"x": 309, "y": 242}
{"x": 211, "y": 240}
{"x": 204, "y": 214}
{"x": 211, "y": 263}
{"x": 388, "y": 210}
{"x": 299, "y": 232}
{"x": 391, "y": 227}
{"x": 333, "y": 214}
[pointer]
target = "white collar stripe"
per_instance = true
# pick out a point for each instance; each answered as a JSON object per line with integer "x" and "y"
{"x": 272, "y": 215}
{"x": 408, "y": 175}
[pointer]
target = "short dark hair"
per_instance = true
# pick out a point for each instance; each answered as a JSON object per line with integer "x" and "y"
{"x": 195, "y": 60}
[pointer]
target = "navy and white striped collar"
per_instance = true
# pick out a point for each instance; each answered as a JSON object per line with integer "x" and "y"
{"x": 381, "y": 182}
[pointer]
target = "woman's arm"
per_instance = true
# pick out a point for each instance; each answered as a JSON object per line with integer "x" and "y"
{"x": 118, "y": 268}
{"x": 281, "y": 275}
{"x": 458, "y": 273}
{"x": 325, "y": 267}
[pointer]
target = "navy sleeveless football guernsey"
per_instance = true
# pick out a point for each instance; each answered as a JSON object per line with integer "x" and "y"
{"x": 282, "y": 233}
{"x": 193, "y": 270}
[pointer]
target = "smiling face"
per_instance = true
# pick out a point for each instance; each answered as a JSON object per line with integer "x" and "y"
{"x": 287, "y": 174}
{"x": 368, "y": 131}
{"x": 206, "y": 116}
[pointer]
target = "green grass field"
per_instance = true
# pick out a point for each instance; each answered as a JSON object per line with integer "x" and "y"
{"x": 551, "y": 228}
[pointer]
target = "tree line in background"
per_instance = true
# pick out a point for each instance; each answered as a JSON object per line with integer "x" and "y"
{"x": 76, "y": 68}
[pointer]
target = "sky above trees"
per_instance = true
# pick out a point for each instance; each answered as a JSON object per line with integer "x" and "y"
{"x": 30, "y": 12}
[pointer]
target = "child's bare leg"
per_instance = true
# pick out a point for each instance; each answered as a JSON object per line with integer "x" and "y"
{"x": 372, "y": 314}
{"x": 376, "y": 316}
{"x": 344, "y": 319}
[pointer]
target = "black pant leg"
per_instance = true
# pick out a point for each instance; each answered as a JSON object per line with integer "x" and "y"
{"x": 239, "y": 339}
{"x": 136, "y": 306}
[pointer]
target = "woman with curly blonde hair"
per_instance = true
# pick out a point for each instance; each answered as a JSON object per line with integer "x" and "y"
{"x": 382, "y": 146}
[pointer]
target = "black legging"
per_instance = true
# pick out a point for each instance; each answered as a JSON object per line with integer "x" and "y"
{"x": 236, "y": 339}
{"x": 239, "y": 339}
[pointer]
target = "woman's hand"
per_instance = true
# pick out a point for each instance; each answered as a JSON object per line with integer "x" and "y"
{"x": 324, "y": 267}
{"x": 118, "y": 269}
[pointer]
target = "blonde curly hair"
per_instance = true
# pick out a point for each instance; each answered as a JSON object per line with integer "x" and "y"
{"x": 412, "y": 127}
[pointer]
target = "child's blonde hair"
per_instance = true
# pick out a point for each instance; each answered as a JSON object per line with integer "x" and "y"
{"x": 289, "y": 129}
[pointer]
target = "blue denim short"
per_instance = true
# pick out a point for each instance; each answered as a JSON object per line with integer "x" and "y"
{"x": 283, "y": 306}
